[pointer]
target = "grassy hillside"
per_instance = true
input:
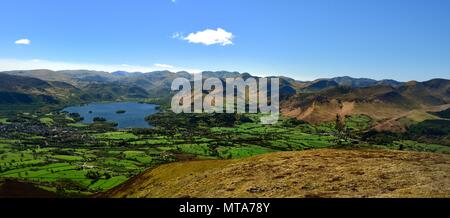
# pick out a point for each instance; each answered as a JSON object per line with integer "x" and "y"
{"x": 31, "y": 94}
{"x": 312, "y": 173}
{"x": 380, "y": 102}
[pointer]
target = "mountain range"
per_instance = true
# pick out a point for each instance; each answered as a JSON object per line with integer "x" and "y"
{"x": 388, "y": 102}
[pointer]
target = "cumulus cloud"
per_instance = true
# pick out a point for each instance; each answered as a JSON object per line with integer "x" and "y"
{"x": 17, "y": 64}
{"x": 22, "y": 42}
{"x": 209, "y": 37}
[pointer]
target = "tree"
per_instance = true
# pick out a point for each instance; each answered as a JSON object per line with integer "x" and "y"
{"x": 99, "y": 119}
{"x": 107, "y": 175}
{"x": 93, "y": 175}
{"x": 339, "y": 127}
{"x": 339, "y": 124}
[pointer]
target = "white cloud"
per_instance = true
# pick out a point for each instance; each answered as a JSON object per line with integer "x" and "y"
{"x": 177, "y": 35}
{"x": 22, "y": 42}
{"x": 16, "y": 64}
{"x": 209, "y": 37}
{"x": 166, "y": 66}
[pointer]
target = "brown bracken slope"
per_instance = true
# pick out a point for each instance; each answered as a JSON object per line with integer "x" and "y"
{"x": 379, "y": 102}
{"x": 312, "y": 173}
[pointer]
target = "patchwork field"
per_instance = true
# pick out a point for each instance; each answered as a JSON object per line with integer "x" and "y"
{"x": 57, "y": 154}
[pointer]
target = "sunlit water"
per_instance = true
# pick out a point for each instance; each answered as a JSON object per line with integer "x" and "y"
{"x": 134, "y": 117}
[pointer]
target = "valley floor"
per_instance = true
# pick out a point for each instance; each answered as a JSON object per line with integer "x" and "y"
{"x": 55, "y": 153}
{"x": 311, "y": 173}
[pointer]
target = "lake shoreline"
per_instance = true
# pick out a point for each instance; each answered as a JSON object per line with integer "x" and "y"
{"x": 134, "y": 116}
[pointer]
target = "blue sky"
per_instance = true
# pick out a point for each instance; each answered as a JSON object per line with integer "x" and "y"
{"x": 303, "y": 39}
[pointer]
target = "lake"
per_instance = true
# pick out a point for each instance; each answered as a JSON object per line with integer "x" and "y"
{"x": 133, "y": 115}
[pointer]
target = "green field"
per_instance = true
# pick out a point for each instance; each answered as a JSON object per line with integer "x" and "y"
{"x": 47, "y": 121}
{"x": 89, "y": 158}
{"x": 4, "y": 121}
